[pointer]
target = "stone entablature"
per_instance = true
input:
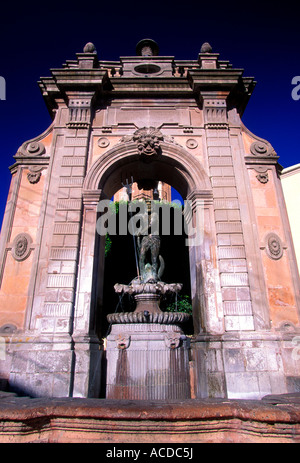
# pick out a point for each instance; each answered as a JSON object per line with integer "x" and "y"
{"x": 151, "y": 118}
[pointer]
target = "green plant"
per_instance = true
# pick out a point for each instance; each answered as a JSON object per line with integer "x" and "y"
{"x": 183, "y": 305}
{"x": 108, "y": 243}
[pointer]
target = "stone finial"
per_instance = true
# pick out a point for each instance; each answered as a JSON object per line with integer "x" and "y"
{"x": 89, "y": 48}
{"x": 147, "y": 47}
{"x": 206, "y": 48}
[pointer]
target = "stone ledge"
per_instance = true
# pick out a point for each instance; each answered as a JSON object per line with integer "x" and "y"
{"x": 163, "y": 318}
{"x": 65, "y": 420}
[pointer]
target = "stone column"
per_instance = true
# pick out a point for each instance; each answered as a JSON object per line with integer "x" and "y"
{"x": 50, "y": 320}
{"x": 238, "y": 314}
{"x": 205, "y": 283}
{"x": 88, "y": 351}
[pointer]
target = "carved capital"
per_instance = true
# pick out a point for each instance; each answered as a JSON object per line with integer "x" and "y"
{"x": 80, "y": 112}
{"x": 215, "y": 113}
{"x": 91, "y": 197}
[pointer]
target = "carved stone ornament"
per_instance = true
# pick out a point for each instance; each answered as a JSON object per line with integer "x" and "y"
{"x": 32, "y": 148}
{"x": 172, "y": 340}
{"x": 123, "y": 341}
{"x": 274, "y": 247}
{"x": 148, "y": 141}
{"x": 191, "y": 143}
{"x": 260, "y": 148}
{"x": 34, "y": 174}
{"x": 206, "y": 48}
{"x": 103, "y": 142}
{"x": 263, "y": 177}
{"x": 21, "y": 247}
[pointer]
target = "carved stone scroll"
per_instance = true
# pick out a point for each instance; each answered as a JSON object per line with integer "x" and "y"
{"x": 32, "y": 148}
{"x": 260, "y": 148}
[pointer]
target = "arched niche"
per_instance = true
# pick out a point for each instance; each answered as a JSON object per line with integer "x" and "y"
{"x": 174, "y": 165}
{"x": 177, "y": 167}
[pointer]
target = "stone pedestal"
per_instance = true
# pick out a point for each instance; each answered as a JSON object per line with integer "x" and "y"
{"x": 147, "y": 361}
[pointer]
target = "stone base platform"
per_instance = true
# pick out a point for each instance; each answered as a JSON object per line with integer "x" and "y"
{"x": 274, "y": 419}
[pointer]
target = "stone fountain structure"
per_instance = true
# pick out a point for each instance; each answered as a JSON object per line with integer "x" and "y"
{"x": 147, "y": 351}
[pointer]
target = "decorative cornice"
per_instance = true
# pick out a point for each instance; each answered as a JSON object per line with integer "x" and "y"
{"x": 147, "y": 75}
{"x": 262, "y": 160}
{"x": 29, "y": 162}
{"x": 54, "y": 88}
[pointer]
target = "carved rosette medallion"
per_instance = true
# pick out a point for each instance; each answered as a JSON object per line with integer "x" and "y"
{"x": 274, "y": 247}
{"x": 191, "y": 143}
{"x": 103, "y": 142}
{"x": 148, "y": 141}
{"x": 21, "y": 247}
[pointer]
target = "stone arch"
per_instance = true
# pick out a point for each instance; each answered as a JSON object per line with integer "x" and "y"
{"x": 175, "y": 166}
{"x": 179, "y": 168}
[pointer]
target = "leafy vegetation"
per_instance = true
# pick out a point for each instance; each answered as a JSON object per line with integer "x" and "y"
{"x": 183, "y": 305}
{"x": 108, "y": 244}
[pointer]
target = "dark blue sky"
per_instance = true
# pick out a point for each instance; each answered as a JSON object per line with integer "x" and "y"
{"x": 262, "y": 38}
